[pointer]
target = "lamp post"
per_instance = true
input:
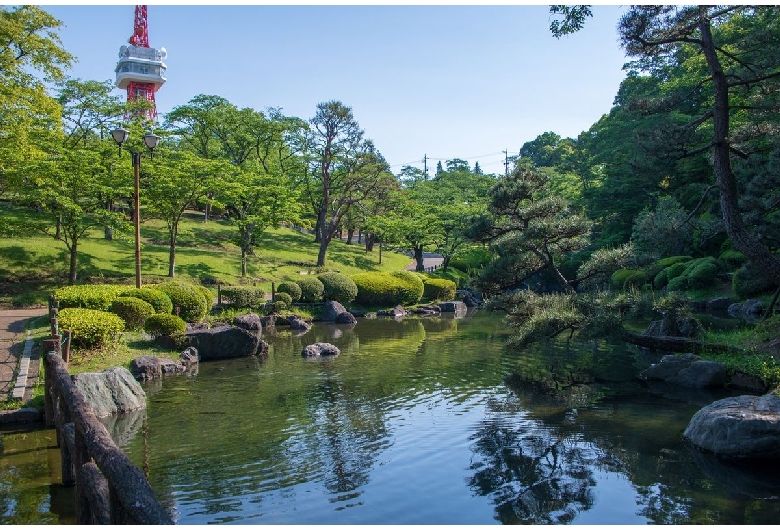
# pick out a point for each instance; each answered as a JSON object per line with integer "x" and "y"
{"x": 150, "y": 140}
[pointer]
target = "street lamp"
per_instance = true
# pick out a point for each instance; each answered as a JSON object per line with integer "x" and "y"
{"x": 150, "y": 140}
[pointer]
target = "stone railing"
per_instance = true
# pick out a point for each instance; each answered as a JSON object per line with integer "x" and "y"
{"x": 109, "y": 489}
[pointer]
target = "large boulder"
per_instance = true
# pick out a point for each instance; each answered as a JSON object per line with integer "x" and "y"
{"x": 454, "y": 306}
{"x": 331, "y": 309}
{"x": 298, "y": 324}
{"x": 674, "y": 326}
{"x": 687, "y": 370}
{"x": 319, "y": 349}
{"x": 226, "y": 343}
{"x": 346, "y": 318}
{"x": 249, "y": 322}
{"x": 741, "y": 427}
{"x": 147, "y": 367}
{"x": 112, "y": 391}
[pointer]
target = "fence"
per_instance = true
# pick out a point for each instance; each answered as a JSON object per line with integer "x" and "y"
{"x": 109, "y": 489}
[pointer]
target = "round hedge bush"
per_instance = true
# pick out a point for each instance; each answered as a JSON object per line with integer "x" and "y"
{"x": 242, "y": 296}
{"x": 439, "y": 289}
{"x": 208, "y": 296}
{"x": 284, "y": 297}
{"x": 98, "y": 297}
{"x": 291, "y": 288}
{"x": 702, "y": 273}
{"x": 338, "y": 287}
{"x": 413, "y": 286}
{"x": 311, "y": 289}
{"x": 163, "y": 324}
{"x": 133, "y": 311}
{"x": 188, "y": 298}
{"x": 160, "y": 301}
{"x": 90, "y": 328}
{"x": 748, "y": 282}
{"x": 388, "y": 289}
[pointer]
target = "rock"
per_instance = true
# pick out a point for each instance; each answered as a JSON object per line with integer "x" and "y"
{"x": 346, "y": 318}
{"x": 249, "y": 322}
{"x": 171, "y": 367}
{"x": 320, "y": 349}
{"x": 749, "y": 382}
{"x": 742, "y": 427}
{"x": 112, "y": 391}
{"x": 454, "y": 306}
{"x": 672, "y": 326}
{"x": 687, "y": 370}
{"x": 753, "y": 307}
{"x": 194, "y": 326}
{"x": 330, "y": 310}
{"x": 298, "y": 324}
{"x": 189, "y": 356}
{"x": 268, "y": 321}
{"x": 719, "y": 304}
{"x": 24, "y": 415}
{"x": 145, "y": 368}
{"x": 225, "y": 343}
{"x": 357, "y": 313}
{"x": 397, "y": 311}
{"x": 468, "y": 298}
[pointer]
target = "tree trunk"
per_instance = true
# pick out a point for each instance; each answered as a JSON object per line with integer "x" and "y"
{"x": 58, "y": 229}
{"x": 323, "y": 250}
{"x": 350, "y": 233}
{"x": 418, "y": 256}
{"x": 73, "y": 262}
{"x": 369, "y": 239}
{"x": 743, "y": 240}
{"x": 445, "y": 263}
{"x": 172, "y": 252}
{"x": 109, "y": 232}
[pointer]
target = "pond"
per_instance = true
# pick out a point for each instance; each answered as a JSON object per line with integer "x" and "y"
{"x": 418, "y": 421}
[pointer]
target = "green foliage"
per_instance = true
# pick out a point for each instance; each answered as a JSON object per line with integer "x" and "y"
{"x": 672, "y": 260}
{"x": 679, "y": 283}
{"x": 748, "y": 282}
{"x": 702, "y": 272}
{"x": 187, "y": 297}
{"x": 471, "y": 259}
{"x": 207, "y": 294}
{"x": 638, "y": 279}
{"x": 675, "y": 270}
{"x": 163, "y": 324}
{"x": 732, "y": 259}
{"x": 338, "y": 287}
{"x": 291, "y": 288}
{"x": 160, "y": 301}
{"x": 242, "y": 296}
{"x": 286, "y": 298}
{"x": 133, "y": 311}
{"x": 311, "y": 289}
{"x": 439, "y": 289}
{"x": 620, "y": 276}
{"x": 275, "y": 307}
{"x": 388, "y": 289}
{"x": 661, "y": 279}
{"x": 91, "y": 328}
{"x": 98, "y": 297}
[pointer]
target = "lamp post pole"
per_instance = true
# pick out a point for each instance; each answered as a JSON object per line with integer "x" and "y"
{"x": 150, "y": 140}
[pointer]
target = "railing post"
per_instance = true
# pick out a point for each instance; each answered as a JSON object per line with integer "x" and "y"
{"x": 66, "y": 346}
{"x": 49, "y": 393}
{"x": 219, "y": 294}
{"x": 273, "y": 292}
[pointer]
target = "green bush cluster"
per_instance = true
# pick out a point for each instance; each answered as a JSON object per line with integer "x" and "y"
{"x": 619, "y": 277}
{"x": 285, "y": 298}
{"x": 98, "y": 297}
{"x": 90, "y": 328}
{"x": 190, "y": 299}
{"x": 338, "y": 287}
{"x": 695, "y": 274}
{"x": 242, "y": 296}
{"x": 748, "y": 282}
{"x": 388, "y": 289}
{"x": 133, "y": 311}
{"x": 439, "y": 289}
{"x": 311, "y": 289}
{"x": 732, "y": 259}
{"x": 160, "y": 301}
{"x": 471, "y": 258}
{"x": 291, "y": 288}
{"x": 163, "y": 324}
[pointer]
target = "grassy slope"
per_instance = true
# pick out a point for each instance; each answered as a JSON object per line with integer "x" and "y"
{"x": 32, "y": 266}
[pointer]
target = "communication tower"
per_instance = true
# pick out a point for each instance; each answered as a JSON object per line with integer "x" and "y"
{"x": 141, "y": 70}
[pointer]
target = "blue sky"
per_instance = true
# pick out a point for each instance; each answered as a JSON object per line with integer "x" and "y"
{"x": 449, "y": 81}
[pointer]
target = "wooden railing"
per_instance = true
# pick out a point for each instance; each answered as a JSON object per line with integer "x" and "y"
{"x": 109, "y": 489}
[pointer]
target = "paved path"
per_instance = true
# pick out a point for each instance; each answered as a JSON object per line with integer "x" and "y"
{"x": 13, "y": 339}
{"x": 429, "y": 260}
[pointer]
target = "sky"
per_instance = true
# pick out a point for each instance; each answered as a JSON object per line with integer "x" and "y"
{"x": 442, "y": 81}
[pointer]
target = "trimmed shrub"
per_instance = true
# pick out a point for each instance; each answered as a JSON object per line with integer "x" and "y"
{"x": 163, "y": 324}
{"x": 388, "y": 289}
{"x": 242, "y": 296}
{"x": 732, "y": 259}
{"x": 678, "y": 284}
{"x": 189, "y": 300}
{"x": 439, "y": 289}
{"x": 160, "y": 301}
{"x": 671, "y": 260}
{"x": 133, "y": 311}
{"x": 98, "y": 297}
{"x": 208, "y": 296}
{"x": 338, "y": 287}
{"x": 702, "y": 273}
{"x": 291, "y": 288}
{"x": 748, "y": 282}
{"x": 275, "y": 307}
{"x": 619, "y": 277}
{"x": 661, "y": 279}
{"x": 638, "y": 279}
{"x": 675, "y": 270}
{"x": 90, "y": 328}
{"x": 311, "y": 289}
{"x": 286, "y": 298}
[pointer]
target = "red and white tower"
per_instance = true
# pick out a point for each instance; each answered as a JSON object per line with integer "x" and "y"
{"x": 141, "y": 70}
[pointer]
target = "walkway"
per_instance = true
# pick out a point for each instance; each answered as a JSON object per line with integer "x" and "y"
{"x": 16, "y": 353}
{"x": 429, "y": 260}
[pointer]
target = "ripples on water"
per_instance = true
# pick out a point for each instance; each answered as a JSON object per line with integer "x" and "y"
{"x": 427, "y": 421}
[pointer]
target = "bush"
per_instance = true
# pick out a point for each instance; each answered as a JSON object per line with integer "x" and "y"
{"x": 311, "y": 289}
{"x": 163, "y": 324}
{"x": 702, "y": 273}
{"x": 208, "y": 296}
{"x": 675, "y": 270}
{"x": 661, "y": 279}
{"x": 90, "y": 328}
{"x": 678, "y": 284}
{"x": 619, "y": 277}
{"x": 439, "y": 289}
{"x": 190, "y": 301}
{"x": 98, "y": 297}
{"x": 291, "y": 288}
{"x": 242, "y": 296}
{"x": 388, "y": 289}
{"x": 338, "y": 287}
{"x": 748, "y": 282}
{"x": 638, "y": 279}
{"x": 732, "y": 259}
{"x": 286, "y": 298}
{"x": 471, "y": 258}
{"x": 160, "y": 301}
{"x": 133, "y": 311}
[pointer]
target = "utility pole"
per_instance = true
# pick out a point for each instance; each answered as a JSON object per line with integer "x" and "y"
{"x": 425, "y": 165}
{"x": 506, "y": 162}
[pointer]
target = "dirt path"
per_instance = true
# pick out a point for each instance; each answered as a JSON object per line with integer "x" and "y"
{"x": 13, "y": 336}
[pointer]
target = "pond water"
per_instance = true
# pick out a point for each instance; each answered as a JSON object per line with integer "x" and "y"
{"x": 418, "y": 421}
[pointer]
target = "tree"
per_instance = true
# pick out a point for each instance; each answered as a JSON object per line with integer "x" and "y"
{"x": 411, "y": 225}
{"x": 477, "y": 169}
{"x": 345, "y": 168}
